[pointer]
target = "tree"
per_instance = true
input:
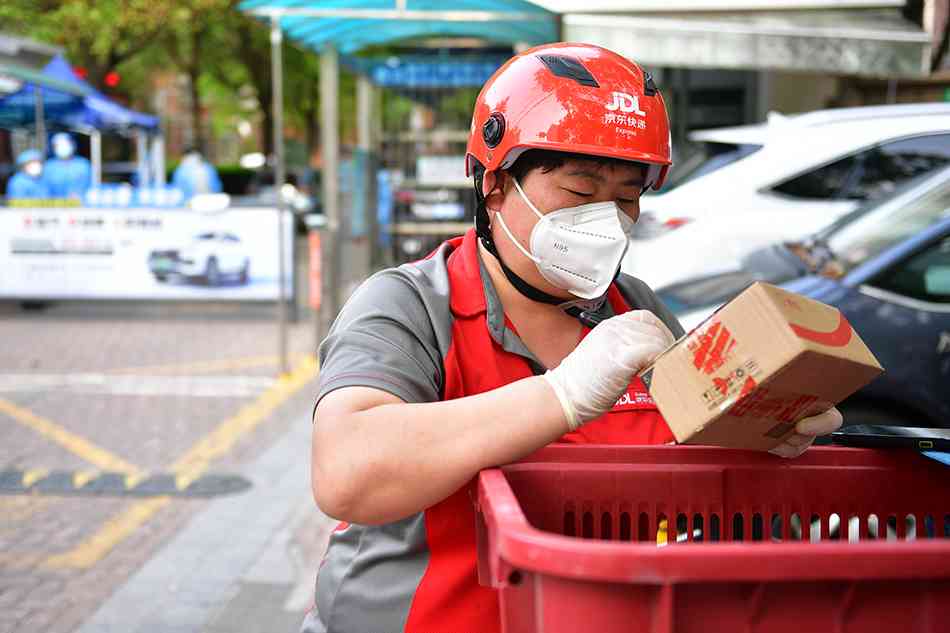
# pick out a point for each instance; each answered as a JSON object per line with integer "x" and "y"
{"x": 98, "y": 35}
{"x": 302, "y": 94}
{"x": 302, "y": 97}
{"x": 194, "y": 40}
{"x": 251, "y": 48}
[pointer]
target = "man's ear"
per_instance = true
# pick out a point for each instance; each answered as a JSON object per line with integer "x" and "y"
{"x": 494, "y": 185}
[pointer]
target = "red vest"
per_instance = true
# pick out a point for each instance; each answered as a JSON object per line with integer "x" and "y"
{"x": 449, "y": 597}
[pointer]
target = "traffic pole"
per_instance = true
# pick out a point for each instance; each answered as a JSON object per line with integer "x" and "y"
{"x": 277, "y": 92}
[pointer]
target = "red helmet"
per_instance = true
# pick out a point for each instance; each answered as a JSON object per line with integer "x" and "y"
{"x": 575, "y": 98}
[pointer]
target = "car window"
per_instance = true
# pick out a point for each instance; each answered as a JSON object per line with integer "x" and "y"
{"x": 228, "y": 237}
{"x": 925, "y": 276}
{"x": 873, "y": 173}
{"x": 706, "y": 158}
{"x": 205, "y": 236}
{"x": 885, "y": 226}
{"x": 824, "y": 183}
{"x": 884, "y": 167}
{"x": 869, "y": 206}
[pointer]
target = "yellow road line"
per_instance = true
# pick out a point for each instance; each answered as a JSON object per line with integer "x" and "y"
{"x": 90, "y": 551}
{"x": 205, "y": 366}
{"x": 193, "y": 463}
{"x": 75, "y": 444}
{"x": 188, "y": 468}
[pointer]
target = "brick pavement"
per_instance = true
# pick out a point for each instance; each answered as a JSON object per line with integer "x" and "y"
{"x": 218, "y": 579}
{"x": 147, "y": 430}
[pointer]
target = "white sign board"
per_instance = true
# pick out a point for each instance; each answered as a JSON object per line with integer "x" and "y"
{"x": 130, "y": 253}
{"x": 441, "y": 171}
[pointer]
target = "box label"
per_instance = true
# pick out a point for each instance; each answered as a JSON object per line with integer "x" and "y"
{"x": 762, "y": 403}
{"x": 732, "y": 386}
{"x": 711, "y": 347}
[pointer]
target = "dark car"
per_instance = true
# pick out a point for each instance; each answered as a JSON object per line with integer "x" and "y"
{"x": 899, "y": 301}
{"x": 887, "y": 268}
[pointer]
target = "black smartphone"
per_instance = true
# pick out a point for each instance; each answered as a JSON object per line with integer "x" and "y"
{"x": 880, "y": 436}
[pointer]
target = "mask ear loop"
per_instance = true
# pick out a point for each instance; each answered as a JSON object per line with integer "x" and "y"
{"x": 504, "y": 226}
{"x": 525, "y": 198}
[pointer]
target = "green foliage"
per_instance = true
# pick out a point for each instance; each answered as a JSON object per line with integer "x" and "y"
{"x": 98, "y": 35}
{"x": 225, "y": 52}
{"x": 455, "y": 110}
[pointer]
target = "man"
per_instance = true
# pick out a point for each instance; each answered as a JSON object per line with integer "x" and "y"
{"x": 194, "y": 175}
{"x": 27, "y": 182}
{"x": 67, "y": 174}
{"x": 514, "y": 336}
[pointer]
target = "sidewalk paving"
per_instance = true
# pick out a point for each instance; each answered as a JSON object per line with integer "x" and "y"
{"x": 245, "y": 564}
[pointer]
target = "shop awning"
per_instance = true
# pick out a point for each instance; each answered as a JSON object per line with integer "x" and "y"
{"x": 353, "y": 25}
{"x": 864, "y": 42}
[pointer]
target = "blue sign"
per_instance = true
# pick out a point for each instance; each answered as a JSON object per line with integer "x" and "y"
{"x": 353, "y": 192}
{"x": 416, "y": 73}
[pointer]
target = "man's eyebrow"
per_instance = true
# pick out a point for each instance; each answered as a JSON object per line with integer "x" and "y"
{"x": 586, "y": 173}
{"x": 636, "y": 181}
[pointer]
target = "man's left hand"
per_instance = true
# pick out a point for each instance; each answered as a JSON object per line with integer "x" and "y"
{"x": 807, "y": 430}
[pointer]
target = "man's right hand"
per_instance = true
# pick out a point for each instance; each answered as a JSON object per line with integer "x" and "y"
{"x": 590, "y": 379}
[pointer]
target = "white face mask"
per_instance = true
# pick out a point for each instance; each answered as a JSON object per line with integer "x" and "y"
{"x": 577, "y": 249}
{"x": 33, "y": 169}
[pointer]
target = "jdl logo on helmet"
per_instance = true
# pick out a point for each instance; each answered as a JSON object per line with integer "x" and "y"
{"x": 625, "y": 103}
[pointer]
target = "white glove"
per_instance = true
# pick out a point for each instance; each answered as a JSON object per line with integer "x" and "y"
{"x": 806, "y": 430}
{"x": 591, "y": 379}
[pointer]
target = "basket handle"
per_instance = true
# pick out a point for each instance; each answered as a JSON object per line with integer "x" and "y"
{"x": 495, "y": 507}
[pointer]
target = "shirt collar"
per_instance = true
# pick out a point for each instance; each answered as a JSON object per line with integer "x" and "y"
{"x": 469, "y": 282}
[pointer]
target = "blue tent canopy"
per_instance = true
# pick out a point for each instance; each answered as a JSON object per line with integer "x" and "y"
{"x": 19, "y": 108}
{"x": 82, "y": 105}
{"x": 529, "y": 23}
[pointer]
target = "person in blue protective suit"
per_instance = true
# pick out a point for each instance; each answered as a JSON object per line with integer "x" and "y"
{"x": 66, "y": 174}
{"x": 28, "y": 181}
{"x": 194, "y": 175}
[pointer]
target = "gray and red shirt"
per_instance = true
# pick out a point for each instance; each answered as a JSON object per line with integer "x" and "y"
{"x": 425, "y": 332}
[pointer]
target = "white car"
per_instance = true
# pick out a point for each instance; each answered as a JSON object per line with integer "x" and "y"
{"x": 782, "y": 180}
{"x": 209, "y": 257}
{"x": 834, "y": 252}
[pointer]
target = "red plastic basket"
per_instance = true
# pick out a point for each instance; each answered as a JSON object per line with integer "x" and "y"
{"x": 839, "y": 539}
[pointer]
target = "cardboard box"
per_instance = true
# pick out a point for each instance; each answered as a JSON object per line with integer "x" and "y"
{"x": 763, "y": 361}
